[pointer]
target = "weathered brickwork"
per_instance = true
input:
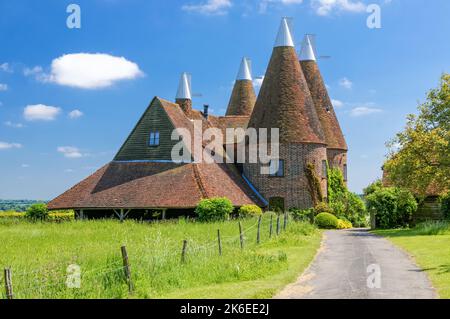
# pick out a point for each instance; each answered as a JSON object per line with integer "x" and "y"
{"x": 337, "y": 158}
{"x": 293, "y": 187}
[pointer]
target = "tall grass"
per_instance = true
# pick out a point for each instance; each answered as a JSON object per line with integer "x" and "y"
{"x": 39, "y": 254}
{"x": 432, "y": 228}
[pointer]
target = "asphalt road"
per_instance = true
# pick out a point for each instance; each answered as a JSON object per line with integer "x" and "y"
{"x": 355, "y": 264}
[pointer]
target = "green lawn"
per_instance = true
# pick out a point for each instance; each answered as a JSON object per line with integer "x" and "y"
{"x": 429, "y": 244}
{"x": 39, "y": 254}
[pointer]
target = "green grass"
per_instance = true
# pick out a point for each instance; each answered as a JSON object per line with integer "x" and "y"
{"x": 39, "y": 254}
{"x": 429, "y": 244}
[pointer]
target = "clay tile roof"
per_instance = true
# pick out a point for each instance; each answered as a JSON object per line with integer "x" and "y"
{"x": 285, "y": 102}
{"x": 158, "y": 184}
{"x": 155, "y": 185}
{"x": 242, "y": 98}
{"x": 330, "y": 124}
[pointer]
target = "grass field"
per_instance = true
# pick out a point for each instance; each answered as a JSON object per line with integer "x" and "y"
{"x": 39, "y": 254}
{"x": 429, "y": 244}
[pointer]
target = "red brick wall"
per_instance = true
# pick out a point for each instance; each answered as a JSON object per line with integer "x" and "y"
{"x": 293, "y": 187}
{"x": 337, "y": 158}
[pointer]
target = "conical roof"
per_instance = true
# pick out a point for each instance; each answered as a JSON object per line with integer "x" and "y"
{"x": 307, "y": 51}
{"x": 322, "y": 102}
{"x": 184, "y": 87}
{"x": 284, "y": 100}
{"x": 243, "y": 97}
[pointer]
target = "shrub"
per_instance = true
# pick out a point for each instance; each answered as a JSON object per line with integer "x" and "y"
{"x": 344, "y": 224}
{"x": 214, "y": 209}
{"x": 445, "y": 203}
{"x": 393, "y": 207}
{"x": 250, "y": 211}
{"x": 61, "y": 216}
{"x": 37, "y": 212}
{"x": 302, "y": 214}
{"x": 343, "y": 203}
{"x": 326, "y": 221}
{"x": 322, "y": 208}
{"x": 372, "y": 188}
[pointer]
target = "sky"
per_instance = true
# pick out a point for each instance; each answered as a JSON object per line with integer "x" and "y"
{"x": 70, "y": 96}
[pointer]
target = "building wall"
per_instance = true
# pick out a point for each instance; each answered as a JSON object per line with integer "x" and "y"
{"x": 136, "y": 147}
{"x": 337, "y": 159}
{"x": 293, "y": 187}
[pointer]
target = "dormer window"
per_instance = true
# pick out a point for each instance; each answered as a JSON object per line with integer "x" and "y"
{"x": 154, "y": 138}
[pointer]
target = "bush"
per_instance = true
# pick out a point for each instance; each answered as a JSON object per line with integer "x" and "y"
{"x": 37, "y": 212}
{"x": 393, "y": 207}
{"x": 355, "y": 210}
{"x": 445, "y": 203}
{"x": 372, "y": 188}
{"x": 250, "y": 211}
{"x": 302, "y": 215}
{"x": 344, "y": 224}
{"x": 214, "y": 209}
{"x": 322, "y": 208}
{"x": 343, "y": 203}
{"x": 61, "y": 216}
{"x": 326, "y": 221}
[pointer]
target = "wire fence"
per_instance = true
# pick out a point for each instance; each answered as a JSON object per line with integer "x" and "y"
{"x": 39, "y": 282}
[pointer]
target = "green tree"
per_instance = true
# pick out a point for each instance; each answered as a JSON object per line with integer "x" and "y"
{"x": 393, "y": 207}
{"x": 419, "y": 157}
{"x": 342, "y": 202}
{"x": 37, "y": 212}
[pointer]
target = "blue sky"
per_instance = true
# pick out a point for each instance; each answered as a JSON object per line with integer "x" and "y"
{"x": 57, "y": 128}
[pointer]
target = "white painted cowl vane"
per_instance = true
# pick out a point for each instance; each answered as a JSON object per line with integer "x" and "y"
{"x": 244, "y": 70}
{"x": 307, "y": 51}
{"x": 184, "y": 88}
{"x": 284, "y": 37}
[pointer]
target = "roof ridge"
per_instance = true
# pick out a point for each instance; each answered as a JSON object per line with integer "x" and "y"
{"x": 199, "y": 181}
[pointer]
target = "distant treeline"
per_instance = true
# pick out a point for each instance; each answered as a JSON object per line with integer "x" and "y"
{"x": 17, "y": 205}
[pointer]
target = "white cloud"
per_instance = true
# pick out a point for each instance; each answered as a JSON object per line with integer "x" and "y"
{"x": 265, "y": 3}
{"x": 346, "y": 83}
{"x": 364, "y": 111}
{"x": 210, "y": 7}
{"x": 70, "y": 151}
{"x": 68, "y": 170}
{"x": 37, "y": 72}
{"x": 88, "y": 71}
{"x": 5, "y": 67}
{"x": 75, "y": 114}
{"x": 25, "y": 166}
{"x": 41, "y": 112}
{"x": 337, "y": 103}
{"x": 3, "y": 87}
{"x": 14, "y": 125}
{"x": 326, "y": 7}
{"x": 6, "y": 146}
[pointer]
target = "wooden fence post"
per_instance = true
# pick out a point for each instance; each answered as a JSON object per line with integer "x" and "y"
{"x": 241, "y": 236}
{"x": 183, "y": 251}
{"x": 219, "y": 242}
{"x": 126, "y": 268}
{"x": 285, "y": 220}
{"x": 258, "y": 234}
{"x": 8, "y": 284}
{"x": 271, "y": 226}
{"x": 278, "y": 225}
